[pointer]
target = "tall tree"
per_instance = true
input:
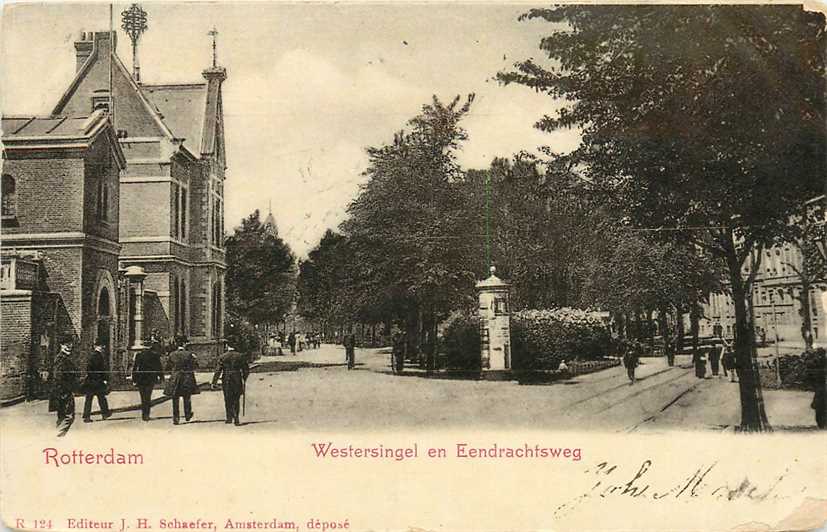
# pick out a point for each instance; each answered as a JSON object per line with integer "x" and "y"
{"x": 707, "y": 120}
{"x": 325, "y": 282}
{"x": 407, "y": 226}
{"x": 260, "y": 280}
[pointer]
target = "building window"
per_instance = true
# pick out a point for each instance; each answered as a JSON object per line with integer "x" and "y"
{"x": 100, "y": 100}
{"x": 9, "y": 197}
{"x": 175, "y": 210}
{"x": 216, "y": 230}
{"x": 103, "y": 200}
{"x": 216, "y": 310}
{"x": 183, "y": 306}
{"x": 182, "y": 222}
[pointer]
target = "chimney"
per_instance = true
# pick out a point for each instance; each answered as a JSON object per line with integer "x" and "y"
{"x": 98, "y": 41}
{"x": 83, "y": 49}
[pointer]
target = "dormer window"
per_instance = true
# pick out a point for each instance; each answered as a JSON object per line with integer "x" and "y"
{"x": 100, "y": 100}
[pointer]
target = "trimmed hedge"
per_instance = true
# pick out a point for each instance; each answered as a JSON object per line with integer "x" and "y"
{"x": 541, "y": 339}
{"x": 461, "y": 343}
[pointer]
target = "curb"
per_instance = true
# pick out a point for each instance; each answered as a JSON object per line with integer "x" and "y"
{"x": 12, "y": 401}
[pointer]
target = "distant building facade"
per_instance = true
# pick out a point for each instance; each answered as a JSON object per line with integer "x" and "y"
{"x": 773, "y": 301}
{"x": 172, "y": 190}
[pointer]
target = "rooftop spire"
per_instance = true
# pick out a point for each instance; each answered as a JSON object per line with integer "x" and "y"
{"x": 213, "y": 33}
{"x": 133, "y": 22}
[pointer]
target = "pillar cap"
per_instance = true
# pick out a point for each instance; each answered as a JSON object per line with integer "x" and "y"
{"x": 135, "y": 271}
{"x": 493, "y": 282}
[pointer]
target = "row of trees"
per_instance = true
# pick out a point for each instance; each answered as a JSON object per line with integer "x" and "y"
{"x": 695, "y": 155}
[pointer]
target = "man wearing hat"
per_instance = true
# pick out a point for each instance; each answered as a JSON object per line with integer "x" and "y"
{"x": 233, "y": 370}
{"x": 96, "y": 383}
{"x": 146, "y": 372}
{"x": 181, "y": 383}
{"x": 64, "y": 382}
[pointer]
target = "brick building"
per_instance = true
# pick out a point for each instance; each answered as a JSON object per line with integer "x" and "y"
{"x": 59, "y": 249}
{"x": 776, "y": 284}
{"x": 172, "y": 189}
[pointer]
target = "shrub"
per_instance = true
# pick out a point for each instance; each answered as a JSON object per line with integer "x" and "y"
{"x": 461, "y": 343}
{"x": 800, "y": 371}
{"x": 541, "y": 339}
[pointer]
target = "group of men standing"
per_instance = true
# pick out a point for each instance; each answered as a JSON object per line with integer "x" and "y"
{"x": 232, "y": 369}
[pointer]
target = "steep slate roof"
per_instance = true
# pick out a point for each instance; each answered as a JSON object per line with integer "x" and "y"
{"x": 182, "y": 108}
{"x": 188, "y": 111}
{"x": 58, "y": 132}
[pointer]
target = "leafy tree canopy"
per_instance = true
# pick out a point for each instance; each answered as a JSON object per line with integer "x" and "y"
{"x": 260, "y": 279}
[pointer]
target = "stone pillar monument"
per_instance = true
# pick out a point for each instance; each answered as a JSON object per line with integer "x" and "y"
{"x": 495, "y": 325}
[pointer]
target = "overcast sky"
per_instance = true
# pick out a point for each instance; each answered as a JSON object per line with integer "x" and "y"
{"x": 309, "y": 86}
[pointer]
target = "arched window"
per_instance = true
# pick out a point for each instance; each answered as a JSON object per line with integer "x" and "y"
{"x": 103, "y": 303}
{"x": 9, "y": 209}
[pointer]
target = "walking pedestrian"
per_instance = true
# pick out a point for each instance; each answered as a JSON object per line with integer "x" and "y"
{"x": 232, "y": 369}
{"x": 64, "y": 382}
{"x": 729, "y": 362}
{"x": 96, "y": 384}
{"x": 699, "y": 359}
{"x": 349, "y": 342}
{"x": 181, "y": 383}
{"x": 715, "y": 358}
{"x": 817, "y": 373}
{"x": 398, "y": 353}
{"x": 630, "y": 362}
{"x": 291, "y": 341}
{"x": 146, "y": 372}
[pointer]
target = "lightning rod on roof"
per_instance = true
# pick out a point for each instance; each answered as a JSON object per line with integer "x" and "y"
{"x": 213, "y": 33}
{"x": 133, "y": 22}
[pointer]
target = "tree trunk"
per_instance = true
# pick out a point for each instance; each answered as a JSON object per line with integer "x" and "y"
{"x": 410, "y": 331}
{"x": 694, "y": 325}
{"x": 753, "y": 415}
{"x": 806, "y": 322}
{"x": 679, "y": 329}
{"x": 663, "y": 325}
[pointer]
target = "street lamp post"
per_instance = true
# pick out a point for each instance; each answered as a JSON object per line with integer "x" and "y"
{"x": 775, "y": 330}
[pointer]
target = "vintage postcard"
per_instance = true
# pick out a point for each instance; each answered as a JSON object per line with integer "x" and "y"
{"x": 439, "y": 266}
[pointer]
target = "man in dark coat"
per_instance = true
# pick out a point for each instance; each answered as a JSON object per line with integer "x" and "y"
{"x": 398, "y": 354}
{"x": 64, "y": 382}
{"x": 181, "y": 383}
{"x": 699, "y": 360}
{"x": 291, "y": 341}
{"x": 715, "y": 357}
{"x": 349, "y": 342}
{"x": 233, "y": 370}
{"x": 728, "y": 360}
{"x": 96, "y": 384}
{"x": 817, "y": 375}
{"x": 146, "y": 372}
{"x": 630, "y": 362}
